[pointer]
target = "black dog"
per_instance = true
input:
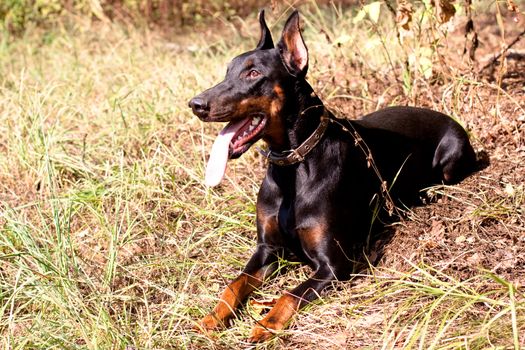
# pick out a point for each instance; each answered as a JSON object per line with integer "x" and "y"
{"x": 326, "y": 175}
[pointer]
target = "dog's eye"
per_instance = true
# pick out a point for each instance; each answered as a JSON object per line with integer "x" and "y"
{"x": 253, "y": 74}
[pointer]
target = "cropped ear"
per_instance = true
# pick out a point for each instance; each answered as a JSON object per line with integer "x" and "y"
{"x": 292, "y": 48}
{"x": 265, "y": 42}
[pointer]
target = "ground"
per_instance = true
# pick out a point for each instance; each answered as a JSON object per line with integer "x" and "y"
{"x": 109, "y": 239}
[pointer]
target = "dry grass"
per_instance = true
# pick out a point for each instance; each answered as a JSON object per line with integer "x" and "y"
{"x": 109, "y": 239}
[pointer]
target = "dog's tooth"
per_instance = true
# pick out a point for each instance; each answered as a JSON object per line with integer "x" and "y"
{"x": 251, "y": 127}
{"x": 256, "y": 120}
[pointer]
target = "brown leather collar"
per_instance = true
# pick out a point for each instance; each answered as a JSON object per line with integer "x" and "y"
{"x": 298, "y": 154}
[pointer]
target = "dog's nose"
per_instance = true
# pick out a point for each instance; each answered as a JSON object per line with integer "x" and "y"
{"x": 198, "y": 105}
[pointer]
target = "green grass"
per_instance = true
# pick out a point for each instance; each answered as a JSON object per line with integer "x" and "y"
{"x": 110, "y": 240}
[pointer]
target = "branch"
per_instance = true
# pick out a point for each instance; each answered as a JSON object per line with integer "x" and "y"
{"x": 502, "y": 52}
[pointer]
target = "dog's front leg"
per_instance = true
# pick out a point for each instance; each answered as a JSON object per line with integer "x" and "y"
{"x": 287, "y": 305}
{"x": 258, "y": 268}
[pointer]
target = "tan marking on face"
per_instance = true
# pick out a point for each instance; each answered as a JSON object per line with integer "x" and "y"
{"x": 275, "y": 133}
{"x": 279, "y": 91}
{"x": 277, "y": 104}
{"x": 248, "y": 106}
{"x": 251, "y": 105}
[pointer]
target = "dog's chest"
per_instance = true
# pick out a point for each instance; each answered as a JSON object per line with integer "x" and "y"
{"x": 299, "y": 212}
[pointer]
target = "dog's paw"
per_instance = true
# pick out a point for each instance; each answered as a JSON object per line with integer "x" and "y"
{"x": 260, "y": 334}
{"x": 208, "y": 323}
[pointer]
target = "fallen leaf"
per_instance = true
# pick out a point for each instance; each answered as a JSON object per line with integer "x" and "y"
{"x": 404, "y": 14}
{"x": 445, "y": 10}
{"x": 475, "y": 259}
{"x": 511, "y": 6}
{"x": 509, "y": 190}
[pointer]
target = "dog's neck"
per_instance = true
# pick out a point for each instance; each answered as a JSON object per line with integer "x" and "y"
{"x": 300, "y": 117}
{"x": 306, "y": 112}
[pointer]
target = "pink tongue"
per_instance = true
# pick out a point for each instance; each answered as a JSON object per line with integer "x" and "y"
{"x": 219, "y": 154}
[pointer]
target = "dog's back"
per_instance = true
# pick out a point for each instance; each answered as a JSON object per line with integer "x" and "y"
{"x": 432, "y": 134}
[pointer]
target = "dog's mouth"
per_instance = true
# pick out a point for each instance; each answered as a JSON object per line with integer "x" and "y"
{"x": 235, "y": 139}
{"x": 249, "y": 133}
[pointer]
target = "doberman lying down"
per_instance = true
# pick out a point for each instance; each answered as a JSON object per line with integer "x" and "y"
{"x": 325, "y": 175}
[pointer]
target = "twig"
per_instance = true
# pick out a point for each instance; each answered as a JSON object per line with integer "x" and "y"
{"x": 502, "y": 51}
{"x": 469, "y": 28}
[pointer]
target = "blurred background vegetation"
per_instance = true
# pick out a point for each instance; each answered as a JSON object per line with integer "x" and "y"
{"x": 17, "y": 15}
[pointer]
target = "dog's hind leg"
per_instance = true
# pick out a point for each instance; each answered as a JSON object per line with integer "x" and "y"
{"x": 454, "y": 158}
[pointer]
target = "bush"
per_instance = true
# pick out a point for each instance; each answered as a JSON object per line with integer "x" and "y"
{"x": 16, "y": 15}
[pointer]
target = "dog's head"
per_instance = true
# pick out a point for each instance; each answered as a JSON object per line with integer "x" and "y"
{"x": 253, "y": 93}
